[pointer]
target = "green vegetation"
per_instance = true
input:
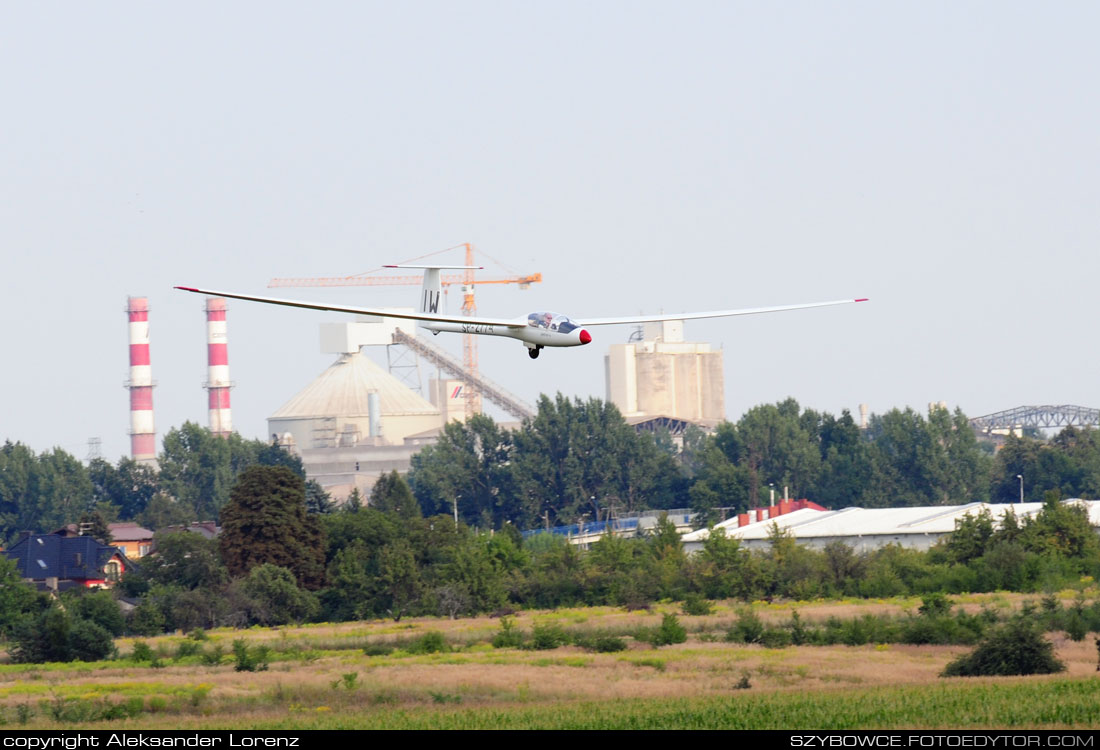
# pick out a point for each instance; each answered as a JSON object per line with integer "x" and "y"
{"x": 1017, "y": 647}
{"x": 285, "y": 557}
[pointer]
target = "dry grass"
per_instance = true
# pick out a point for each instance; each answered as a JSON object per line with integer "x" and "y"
{"x": 296, "y": 688}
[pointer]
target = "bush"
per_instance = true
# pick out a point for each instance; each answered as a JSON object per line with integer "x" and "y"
{"x": 934, "y": 605}
{"x": 607, "y": 644}
{"x": 800, "y": 634}
{"x": 98, "y": 607}
{"x": 431, "y": 642}
{"x": 747, "y": 629}
{"x": 775, "y": 638}
{"x": 142, "y": 652}
{"x": 1016, "y": 648}
{"x": 508, "y": 636}
{"x": 548, "y": 636}
{"x": 187, "y": 648}
{"x": 696, "y": 605}
{"x": 213, "y": 657}
{"x": 378, "y": 649}
{"x": 89, "y": 641}
{"x": 671, "y": 631}
{"x": 250, "y": 659}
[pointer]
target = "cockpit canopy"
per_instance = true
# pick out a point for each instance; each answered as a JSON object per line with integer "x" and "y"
{"x": 551, "y": 321}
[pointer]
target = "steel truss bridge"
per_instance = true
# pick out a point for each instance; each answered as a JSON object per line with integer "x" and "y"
{"x": 1042, "y": 417}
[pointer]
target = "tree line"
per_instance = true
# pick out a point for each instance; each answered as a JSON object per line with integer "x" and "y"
{"x": 192, "y": 481}
{"x": 579, "y": 460}
{"x": 277, "y": 563}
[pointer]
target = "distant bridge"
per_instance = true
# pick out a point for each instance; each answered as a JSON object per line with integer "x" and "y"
{"x": 1040, "y": 417}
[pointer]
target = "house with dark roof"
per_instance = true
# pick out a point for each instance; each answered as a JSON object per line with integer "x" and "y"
{"x": 57, "y": 562}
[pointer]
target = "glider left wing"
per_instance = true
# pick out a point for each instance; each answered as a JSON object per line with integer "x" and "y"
{"x": 431, "y": 317}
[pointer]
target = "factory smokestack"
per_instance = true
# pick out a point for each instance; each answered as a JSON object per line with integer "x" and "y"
{"x": 143, "y": 438}
{"x": 217, "y": 377}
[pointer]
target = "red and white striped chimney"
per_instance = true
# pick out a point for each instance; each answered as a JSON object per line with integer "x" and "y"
{"x": 217, "y": 378}
{"x": 143, "y": 438}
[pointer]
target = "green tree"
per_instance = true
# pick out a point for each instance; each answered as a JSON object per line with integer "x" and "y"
{"x": 391, "y": 494}
{"x": 185, "y": 559}
{"x": 470, "y": 462}
{"x": 130, "y": 486}
{"x": 92, "y": 523}
{"x": 971, "y": 537}
{"x": 40, "y": 492}
{"x": 577, "y": 457}
{"x": 99, "y": 607}
{"x": 275, "y": 598}
{"x": 17, "y": 599}
{"x": 779, "y": 448}
{"x": 399, "y": 579}
{"x": 265, "y": 521}
{"x": 199, "y": 468}
{"x": 1061, "y": 529}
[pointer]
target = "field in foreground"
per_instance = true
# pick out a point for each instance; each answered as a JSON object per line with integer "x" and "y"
{"x": 320, "y": 677}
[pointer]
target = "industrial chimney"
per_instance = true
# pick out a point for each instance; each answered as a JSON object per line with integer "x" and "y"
{"x": 143, "y": 438}
{"x": 217, "y": 375}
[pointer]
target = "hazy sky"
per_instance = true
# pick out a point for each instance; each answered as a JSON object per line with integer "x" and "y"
{"x": 939, "y": 158}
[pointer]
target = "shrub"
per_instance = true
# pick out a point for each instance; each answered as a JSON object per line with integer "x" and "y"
{"x": 1076, "y": 627}
{"x": 213, "y": 657}
{"x": 934, "y": 605}
{"x": 89, "y": 641}
{"x": 800, "y": 634}
{"x": 508, "y": 636}
{"x": 378, "y": 649}
{"x": 142, "y": 652}
{"x": 250, "y": 659}
{"x": 548, "y": 636}
{"x": 775, "y": 638}
{"x": 99, "y": 607}
{"x": 671, "y": 631}
{"x": 431, "y": 642}
{"x": 747, "y": 629}
{"x": 1016, "y": 648}
{"x": 187, "y": 648}
{"x": 607, "y": 644}
{"x": 697, "y": 605}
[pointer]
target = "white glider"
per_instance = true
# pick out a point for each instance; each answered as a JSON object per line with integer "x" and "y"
{"x": 536, "y": 330}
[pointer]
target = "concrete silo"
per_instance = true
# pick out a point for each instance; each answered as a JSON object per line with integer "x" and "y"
{"x": 663, "y": 375}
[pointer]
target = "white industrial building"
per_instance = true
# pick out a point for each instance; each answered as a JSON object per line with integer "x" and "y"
{"x": 664, "y": 376}
{"x": 356, "y": 421}
{"x": 865, "y": 529}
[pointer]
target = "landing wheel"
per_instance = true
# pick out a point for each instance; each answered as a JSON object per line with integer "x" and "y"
{"x": 534, "y": 353}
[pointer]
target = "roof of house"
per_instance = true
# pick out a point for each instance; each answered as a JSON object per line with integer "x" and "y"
{"x": 208, "y": 529}
{"x": 128, "y": 532}
{"x": 41, "y": 556}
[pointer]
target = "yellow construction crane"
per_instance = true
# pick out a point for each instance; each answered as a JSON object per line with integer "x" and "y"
{"x": 469, "y": 307}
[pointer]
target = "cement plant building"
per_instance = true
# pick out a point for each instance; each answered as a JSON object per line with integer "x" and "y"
{"x": 661, "y": 375}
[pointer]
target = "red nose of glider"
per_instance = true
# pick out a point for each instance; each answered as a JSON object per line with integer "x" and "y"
{"x": 585, "y": 336}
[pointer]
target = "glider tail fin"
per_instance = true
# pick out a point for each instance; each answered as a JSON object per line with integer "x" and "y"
{"x": 432, "y": 288}
{"x": 430, "y": 291}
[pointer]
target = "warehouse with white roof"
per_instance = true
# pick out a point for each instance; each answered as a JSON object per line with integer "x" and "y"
{"x": 865, "y": 529}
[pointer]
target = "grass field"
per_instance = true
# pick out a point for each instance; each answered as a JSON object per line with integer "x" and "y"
{"x": 320, "y": 677}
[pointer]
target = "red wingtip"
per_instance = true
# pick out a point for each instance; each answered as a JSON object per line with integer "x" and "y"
{"x": 187, "y": 288}
{"x": 864, "y": 299}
